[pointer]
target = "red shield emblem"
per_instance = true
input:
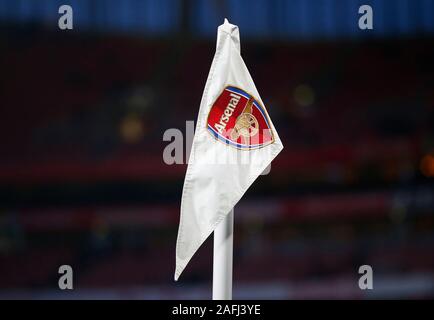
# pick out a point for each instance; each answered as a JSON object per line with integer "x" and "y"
{"x": 238, "y": 119}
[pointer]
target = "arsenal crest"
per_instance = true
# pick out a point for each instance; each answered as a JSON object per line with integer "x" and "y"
{"x": 238, "y": 119}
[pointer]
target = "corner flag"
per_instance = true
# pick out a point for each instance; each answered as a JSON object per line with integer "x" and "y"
{"x": 234, "y": 142}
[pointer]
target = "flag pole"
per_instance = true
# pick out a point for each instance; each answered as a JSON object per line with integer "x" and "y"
{"x": 222, "y": 262}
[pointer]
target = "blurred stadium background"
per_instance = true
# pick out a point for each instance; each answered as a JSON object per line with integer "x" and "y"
{"x": 82, "y": 177}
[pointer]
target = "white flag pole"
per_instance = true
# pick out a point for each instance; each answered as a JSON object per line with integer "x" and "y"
{"x": 223, "y": 253}
{"x": 222, "y": 264}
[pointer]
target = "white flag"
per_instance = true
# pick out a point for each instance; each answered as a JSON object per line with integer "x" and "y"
{"x": 234, "y": 142}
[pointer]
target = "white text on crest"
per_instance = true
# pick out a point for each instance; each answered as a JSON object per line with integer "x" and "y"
{"x": 221, "y": 125}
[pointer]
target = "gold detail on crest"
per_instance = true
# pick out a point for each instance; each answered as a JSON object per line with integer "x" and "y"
{"x": 246, "y": 124}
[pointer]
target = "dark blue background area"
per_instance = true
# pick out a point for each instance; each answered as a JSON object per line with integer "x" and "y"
{"x": 286, "y": 19}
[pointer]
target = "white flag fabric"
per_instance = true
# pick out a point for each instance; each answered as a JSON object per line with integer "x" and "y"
{"x": 234, "y": 142}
